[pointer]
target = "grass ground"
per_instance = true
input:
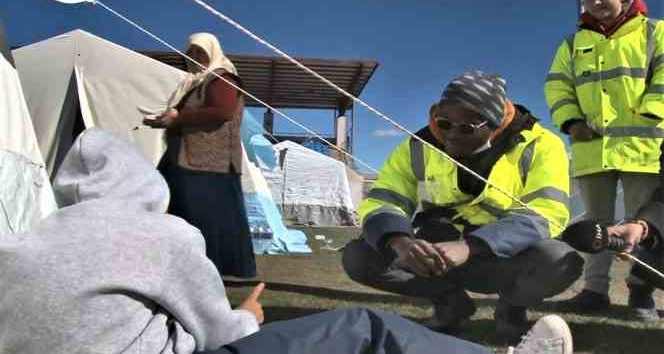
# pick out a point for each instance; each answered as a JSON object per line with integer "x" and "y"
{"x": 299, "y": 285}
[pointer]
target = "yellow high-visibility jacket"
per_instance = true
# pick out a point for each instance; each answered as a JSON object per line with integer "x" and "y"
{"x": 616, "y": 85}
{"x": 416, "y": 178}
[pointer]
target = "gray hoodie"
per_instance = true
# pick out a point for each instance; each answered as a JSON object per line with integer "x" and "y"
{"x": 110, "y": 272}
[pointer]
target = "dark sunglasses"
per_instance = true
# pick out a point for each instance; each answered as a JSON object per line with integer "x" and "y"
{"x": 464, "y": 128}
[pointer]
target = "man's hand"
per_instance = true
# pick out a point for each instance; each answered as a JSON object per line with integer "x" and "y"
{"x": 580, "y": 131}
{"x": 252, "y": 305}
{"x": 163, "y": 120}
{"x": 454, "y": 253}
{"x": 631, "y": 233}
{"x": 419, "y": 256}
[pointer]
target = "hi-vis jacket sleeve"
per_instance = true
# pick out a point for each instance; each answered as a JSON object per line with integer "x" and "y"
{"x": 559, "y": 90}
{"x": 546, "y": 193}
{"x": 652, "y": 103}
{"x": 392, "y": 200}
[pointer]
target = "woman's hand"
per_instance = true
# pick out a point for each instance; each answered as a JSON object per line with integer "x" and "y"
{"x": 252, "y": 305}
{"x": 163, "y": 120}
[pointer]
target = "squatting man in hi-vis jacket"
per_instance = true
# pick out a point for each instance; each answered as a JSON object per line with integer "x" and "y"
{"x": 432, "y": 230}
{"x": 605, "y": 89}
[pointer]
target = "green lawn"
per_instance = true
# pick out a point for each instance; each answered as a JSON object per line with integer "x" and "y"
{"x": 299, "y": 285}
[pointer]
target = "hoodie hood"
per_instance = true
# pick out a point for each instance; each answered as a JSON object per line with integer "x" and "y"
{"x": 100, "y": 165}
{"x": 631, "y": 9}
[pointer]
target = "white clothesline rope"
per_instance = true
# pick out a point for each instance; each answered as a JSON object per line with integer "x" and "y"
{"x": 650, "y": 268}
{"x": 293, "y": 121}
{"x": 389, "y": 120}
{"x": 326, "y": 81}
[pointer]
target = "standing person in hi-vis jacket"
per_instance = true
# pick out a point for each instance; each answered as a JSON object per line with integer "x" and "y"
{"x": 605, "y": 89}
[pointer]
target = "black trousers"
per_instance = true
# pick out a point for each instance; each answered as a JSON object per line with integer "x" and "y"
{"x": 544, "y": 270}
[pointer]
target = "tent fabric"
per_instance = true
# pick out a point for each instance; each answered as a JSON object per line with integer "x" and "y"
{"x": 269, "y": 234}
{"x": 258, "y": 148}
{"x": 311, "y": 188}
{"x": 25, "y": 192}
{"x": 103, "y": 81}
{"x": 356, "y": 182}
{"x": 4, "y": 47}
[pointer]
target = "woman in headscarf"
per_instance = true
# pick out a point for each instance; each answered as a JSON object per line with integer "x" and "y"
{"x": 202, "y": 163}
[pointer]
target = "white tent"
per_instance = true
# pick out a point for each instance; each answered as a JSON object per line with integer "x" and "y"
{"x": 77, "y": 80}
{"x": 269, "y": 234}
{"x": 25, "y": 191}
{"x": 311, "y": 188}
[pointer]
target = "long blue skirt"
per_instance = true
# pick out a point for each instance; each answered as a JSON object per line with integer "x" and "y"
{"x": 214, "y": 203}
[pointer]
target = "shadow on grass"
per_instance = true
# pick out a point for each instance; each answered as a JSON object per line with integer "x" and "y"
{"x": 609, "y": 338}
{"x": 345, "y": 295}
{"x": 620, "y": 312}
{"x": 335, "y": 294}
{"x": 282, "y": 313}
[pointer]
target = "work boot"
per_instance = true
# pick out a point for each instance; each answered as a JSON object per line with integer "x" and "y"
{"x": 585, "y": 302}
{"x": 511, "y": 321}
{"x": 642, "y": 305}
{"x": 549, "y": 335}
{"x": 451, "y": 313}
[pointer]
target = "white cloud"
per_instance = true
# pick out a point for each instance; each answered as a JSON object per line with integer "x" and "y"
{"x": 387, "y": 133}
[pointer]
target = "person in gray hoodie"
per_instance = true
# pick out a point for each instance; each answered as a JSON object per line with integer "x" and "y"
{"x": 111, "y": 272}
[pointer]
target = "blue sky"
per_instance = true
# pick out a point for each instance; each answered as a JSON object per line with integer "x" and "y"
{"x": 420, "y": 45}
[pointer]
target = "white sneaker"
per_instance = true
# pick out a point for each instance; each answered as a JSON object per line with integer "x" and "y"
{"x": 549, "y": 335}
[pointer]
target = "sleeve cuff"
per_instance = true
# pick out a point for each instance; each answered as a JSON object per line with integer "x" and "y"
{"x": 380, "y": 225}
{"x": 509, "y": 236}
{"x": 652, "y": 108}
{"x": 248, "y": 324}
{"x": 567, "y": 124}
{"x": 652, "y": 213}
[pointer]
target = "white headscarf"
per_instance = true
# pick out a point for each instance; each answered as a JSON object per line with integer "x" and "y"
{"x": 209, "y": 43}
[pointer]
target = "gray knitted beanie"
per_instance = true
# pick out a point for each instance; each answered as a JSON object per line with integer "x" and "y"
{"x": 482, "y": 93}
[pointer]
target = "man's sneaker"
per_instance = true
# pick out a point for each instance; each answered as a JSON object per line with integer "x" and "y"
{"x": 642, "y": 305}
{"x": 549, "y": 335}
{"x": 452, "y": 313}
{"x": 511, "y": 321}
{"x": 585, "y": 302}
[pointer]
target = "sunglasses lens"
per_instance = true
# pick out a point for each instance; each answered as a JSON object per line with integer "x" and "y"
{"x": 466, "y": 129}
{"x": 444, "y": 124}
{"x": 463, "y": 128}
